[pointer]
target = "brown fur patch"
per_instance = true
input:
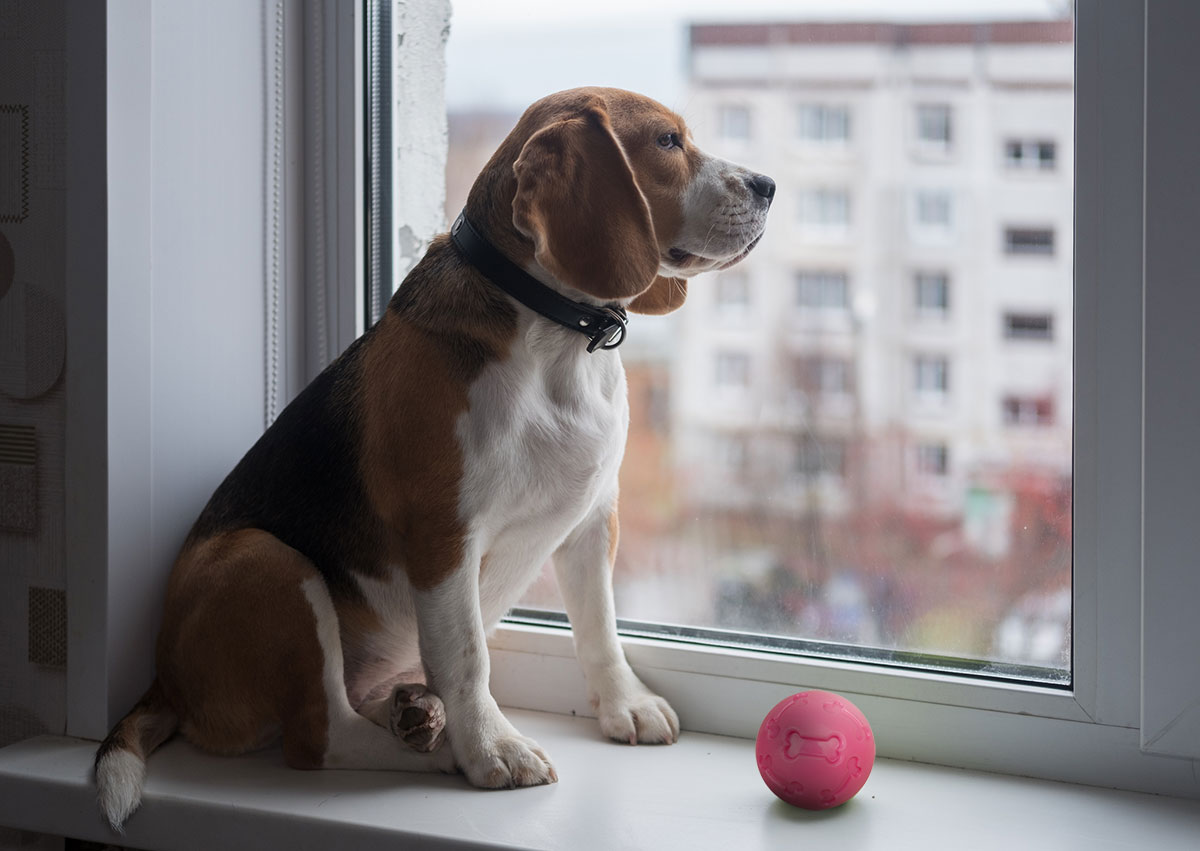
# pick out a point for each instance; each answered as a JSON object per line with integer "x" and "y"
{"x": 238, "y": 655}
{"x": 443, "y": 326}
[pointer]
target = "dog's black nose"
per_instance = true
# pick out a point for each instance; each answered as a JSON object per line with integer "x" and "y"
{"x": 762, "y": 185}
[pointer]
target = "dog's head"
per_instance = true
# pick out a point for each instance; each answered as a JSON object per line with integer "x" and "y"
{"x": 611, "y": 197}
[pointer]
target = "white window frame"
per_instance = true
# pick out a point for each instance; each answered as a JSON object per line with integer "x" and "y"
{"x": 1112, "y": 727}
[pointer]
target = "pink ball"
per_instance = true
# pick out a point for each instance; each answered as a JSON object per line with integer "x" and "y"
{"x": 815, "y": 750}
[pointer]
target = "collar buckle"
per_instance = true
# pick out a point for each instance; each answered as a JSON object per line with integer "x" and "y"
{"x": 611, "y": 332}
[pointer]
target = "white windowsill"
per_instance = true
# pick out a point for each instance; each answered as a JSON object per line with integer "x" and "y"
{"x": 703, "y": 792}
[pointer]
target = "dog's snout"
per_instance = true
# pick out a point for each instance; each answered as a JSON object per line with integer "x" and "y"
{"x": 762, "y": 185}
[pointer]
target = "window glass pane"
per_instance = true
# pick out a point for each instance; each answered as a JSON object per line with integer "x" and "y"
{"x": 821, "y": 123}
{"x": 933, "y": 125}
{"x": 857, "y": 442}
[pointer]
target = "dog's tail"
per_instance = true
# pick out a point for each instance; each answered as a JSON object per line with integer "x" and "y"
{"x": 121, "y": 758}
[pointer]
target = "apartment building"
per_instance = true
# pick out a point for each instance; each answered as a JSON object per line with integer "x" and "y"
{"x": 903, "y": 333}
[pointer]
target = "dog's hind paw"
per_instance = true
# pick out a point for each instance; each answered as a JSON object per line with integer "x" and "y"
{"x": 417, "y": 717}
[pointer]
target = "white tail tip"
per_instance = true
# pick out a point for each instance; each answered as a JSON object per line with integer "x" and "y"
{"x": 119, "y": 776}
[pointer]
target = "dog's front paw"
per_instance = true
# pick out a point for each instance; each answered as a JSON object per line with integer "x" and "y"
{"x": 506, "y": 761}
{"x": 637, "y": 715}
{"x": 417, "y": 717}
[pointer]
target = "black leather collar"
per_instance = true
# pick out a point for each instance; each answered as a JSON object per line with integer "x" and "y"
{"x": 603, "y": 326}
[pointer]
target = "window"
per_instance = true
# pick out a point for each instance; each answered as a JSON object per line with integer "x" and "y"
{"x": 823, "y": 123}
{"x": 1029, "y": 326}
{"x": 931, "y": 294}
{"x": 833, "y": 376}
{"x": 931, "y": 375}
{"x": 819, "y": 457}
{"x": 823, "y": 375}
{"x": 934, "y": 126}
{"x": 1029, "y": 241}
{"x": 933, "y": 459}
{"x": 733, "y": 291}
{"x": 732, "y": 453}
{"x": 1094, "y": 731}
{"x": 733, "y": 122}
{"x": 861, "y": 384}
{"x": 1028, "y": 155}
{"x": 933, "y": 210}
{"x": 733, "y": 369}
{"x": 1027, "y": 411}
{"x": 824, "y": 210}
{"x": 823, "y": 291}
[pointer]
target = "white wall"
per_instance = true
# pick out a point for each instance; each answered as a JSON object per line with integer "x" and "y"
{"x": 172, "y": 392}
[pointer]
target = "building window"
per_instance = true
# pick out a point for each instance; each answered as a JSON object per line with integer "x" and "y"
{"x": 933, "y": 209}
{"x": 833, "y": 376}
{"x": 733, "y": 369}
{"x": 823, "y": 123}
{"x": 931, "y": 294}
{"x": 1028, "y": 326}
{"x": 1028, "y": 410}
{"x": 1029, "y": 241}
{"x": 733, "y": 290}
{"x": 732, "y": 453}
{"x": 1030, "y": 155}
{"x": 817, "y": 457}
{"x": 825, "y": 209}
{"x": 824, "y": 376}
{"x": 932, "y": 375}
{"x": 933, "y": 459}
{"x": 935, "y": 126}
{"x": 733, "y": 122}
{"x": 822, "y": 290}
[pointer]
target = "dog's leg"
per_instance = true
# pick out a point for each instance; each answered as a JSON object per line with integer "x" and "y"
{"x": 352, "y": 740}
{"x": 413, "y": 713}
{"x": 627, "y": 709}
{"x": 487, "y": 748}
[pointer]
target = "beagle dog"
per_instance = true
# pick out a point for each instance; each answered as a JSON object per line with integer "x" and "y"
{"x": 337, "y": 589}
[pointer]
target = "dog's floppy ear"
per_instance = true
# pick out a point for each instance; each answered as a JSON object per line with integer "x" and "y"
{"x": 664, "y": 295}
{"x": 578, "y": 201}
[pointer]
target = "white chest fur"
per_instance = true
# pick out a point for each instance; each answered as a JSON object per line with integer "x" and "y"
{"x": 542, "y": 441}
{"x": 542, "y": 444}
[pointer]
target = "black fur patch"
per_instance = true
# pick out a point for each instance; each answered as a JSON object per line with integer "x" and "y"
{"x": 300, "y": 482}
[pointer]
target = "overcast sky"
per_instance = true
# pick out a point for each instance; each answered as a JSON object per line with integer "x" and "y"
{"x": 505, "y": 54}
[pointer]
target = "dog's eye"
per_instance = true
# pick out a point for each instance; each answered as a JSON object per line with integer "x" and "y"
{"x": 669, "y": 140}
